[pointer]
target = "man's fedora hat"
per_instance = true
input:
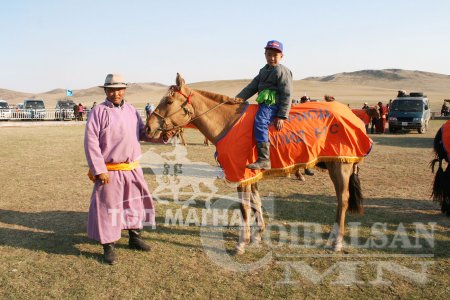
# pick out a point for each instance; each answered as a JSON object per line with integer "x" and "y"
{"x": 114, "y": 81}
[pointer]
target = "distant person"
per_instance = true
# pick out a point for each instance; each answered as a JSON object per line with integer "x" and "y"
{"x": 274, "y": 87}
{"x": 366, "y": 105}
{"x": 382, "y": 121}
{"x": 304, "y": 99}
{"x": 120, "y": 198}
{"x": 80, "y": 112}
{"x": 329, "y": 98}
{"x": 444, "y": 110}
{"x": 149, "y": 109}
{"x": 94, "y": 104}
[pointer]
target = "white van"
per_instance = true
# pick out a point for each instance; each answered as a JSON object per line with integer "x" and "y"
{"x": 5, "y": 111}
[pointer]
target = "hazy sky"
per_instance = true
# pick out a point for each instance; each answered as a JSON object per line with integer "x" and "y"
{"x": 69, "y": 44}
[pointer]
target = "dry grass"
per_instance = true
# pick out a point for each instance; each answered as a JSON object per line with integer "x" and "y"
{"x": 45, "y": 252}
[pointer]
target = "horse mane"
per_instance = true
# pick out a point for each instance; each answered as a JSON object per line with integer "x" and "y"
{"x": 210, "y": 95}
{"x": 220, "y": 98}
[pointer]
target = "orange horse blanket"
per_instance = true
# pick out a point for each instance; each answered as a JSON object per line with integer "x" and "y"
{"x": 314, "y": 132}
{"x": 445, "y": 130}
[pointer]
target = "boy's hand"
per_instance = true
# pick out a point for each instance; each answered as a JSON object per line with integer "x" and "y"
{"x": 279, "y": 123}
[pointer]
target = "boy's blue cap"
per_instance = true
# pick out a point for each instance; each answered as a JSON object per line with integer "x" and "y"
{"x": 274, "y": 45}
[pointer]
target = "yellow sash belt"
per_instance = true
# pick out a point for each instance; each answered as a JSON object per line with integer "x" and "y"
{"x": 117, "y": 167}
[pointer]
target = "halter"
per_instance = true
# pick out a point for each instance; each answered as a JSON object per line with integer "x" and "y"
{"x": 164, "y": 125}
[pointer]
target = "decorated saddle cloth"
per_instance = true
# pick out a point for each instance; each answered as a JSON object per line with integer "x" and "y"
{"x": 445, "y": 131}
{"x": 314, "y": 132}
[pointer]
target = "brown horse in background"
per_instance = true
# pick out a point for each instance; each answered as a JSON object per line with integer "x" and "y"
{"x": 214, "y": 115}
{"x": 374, "y": 115}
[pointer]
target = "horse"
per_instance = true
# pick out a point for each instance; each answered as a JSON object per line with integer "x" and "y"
{"x": 441, "y": 184}
{"x": 214, "y": 115}
{"x": 374, "y": 116}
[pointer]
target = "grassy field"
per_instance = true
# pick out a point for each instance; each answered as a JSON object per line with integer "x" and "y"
{"x": 45, "y": 252}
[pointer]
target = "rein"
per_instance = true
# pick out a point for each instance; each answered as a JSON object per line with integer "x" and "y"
{"x": 164, "y": 128}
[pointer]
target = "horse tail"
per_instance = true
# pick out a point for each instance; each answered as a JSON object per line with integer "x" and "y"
{"x": 441, "y": 188}
{"x": 355, "y": 201}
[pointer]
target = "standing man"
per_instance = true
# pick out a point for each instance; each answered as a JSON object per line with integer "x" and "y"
{"x": 120, "y": 198}
{"x": 382, "y": 121}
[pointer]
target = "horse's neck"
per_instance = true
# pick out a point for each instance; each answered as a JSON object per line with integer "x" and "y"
{"x": 211, "y": 121}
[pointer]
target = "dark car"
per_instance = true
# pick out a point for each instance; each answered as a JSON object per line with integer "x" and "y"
{"x": 64, "y": 109}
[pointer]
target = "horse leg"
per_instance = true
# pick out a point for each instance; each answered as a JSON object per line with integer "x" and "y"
{"x": 299, "y": 175}
{"x": 244, "y": 236}
{"x": 257, "y": 211}
{"x": 340, "y": 176}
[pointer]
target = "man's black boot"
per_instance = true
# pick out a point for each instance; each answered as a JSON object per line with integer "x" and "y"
{"x": 136, "y": 242}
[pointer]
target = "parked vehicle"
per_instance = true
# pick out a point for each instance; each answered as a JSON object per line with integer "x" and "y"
{"x": 34, "y": 109}
{"x": 5, "y": 111}
{"x": 409, "y": 112}
{"x": 64, "y": 109}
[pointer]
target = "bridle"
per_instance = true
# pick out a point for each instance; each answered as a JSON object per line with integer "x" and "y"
{"x": 164, "y": 127}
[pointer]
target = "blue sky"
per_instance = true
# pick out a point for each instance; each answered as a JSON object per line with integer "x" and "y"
{"x": 73, "y": 44}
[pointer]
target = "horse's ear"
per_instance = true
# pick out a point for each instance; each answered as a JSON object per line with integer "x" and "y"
{"x": 180, "y": 81}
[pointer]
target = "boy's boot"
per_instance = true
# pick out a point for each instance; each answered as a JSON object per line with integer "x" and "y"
{"x": 309, "y": 172}
{"x": 263, "y": 162}
{"x": 136, "y": 242}
{"x": 109, "y": 255}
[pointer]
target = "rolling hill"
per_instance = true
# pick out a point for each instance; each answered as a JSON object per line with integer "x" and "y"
{"x": 351, "y": 88}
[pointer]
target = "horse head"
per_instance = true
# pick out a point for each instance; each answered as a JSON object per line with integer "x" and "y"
{"x": 173, "y": 112}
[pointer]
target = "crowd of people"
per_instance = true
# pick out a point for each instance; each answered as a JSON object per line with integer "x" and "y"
{"x": 378, "y": 117}
{"x": 79, "y": 111}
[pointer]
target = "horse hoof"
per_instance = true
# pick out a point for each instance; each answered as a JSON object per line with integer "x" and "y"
{"x": 338, "y": 247}
{"x": 239, "y": 250}
{"x": 256, "y": 241}
{"x": 300, "y": 177}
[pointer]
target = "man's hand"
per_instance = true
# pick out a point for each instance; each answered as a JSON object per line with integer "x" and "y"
{"x": 279, "y": 123}
{"x": 103, "y": 177}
